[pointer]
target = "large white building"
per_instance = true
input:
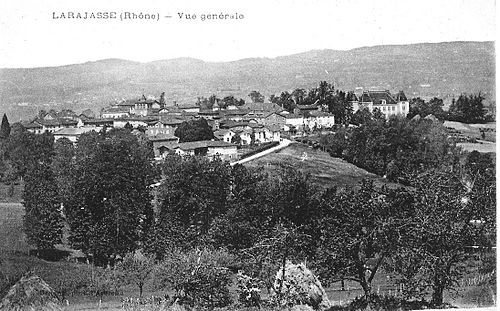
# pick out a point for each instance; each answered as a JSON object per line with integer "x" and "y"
{"x": 388, "y": 104}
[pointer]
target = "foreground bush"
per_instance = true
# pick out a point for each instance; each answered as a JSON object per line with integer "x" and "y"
{"x": 299, "y": 286}
{"x": 198, "y": 277}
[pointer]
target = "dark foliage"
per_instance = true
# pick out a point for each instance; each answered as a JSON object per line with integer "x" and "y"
{"x": 468, "y": 108}
{"x": 109, "y": 209}
{"x": 422, "y": 108}
{"x": 4, "y": 127}
{"x": 43, "y": 219}
{"x": 194, "y": 130}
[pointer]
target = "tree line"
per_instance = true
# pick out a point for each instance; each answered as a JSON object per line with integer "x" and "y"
{"x": 424, "y": 231}
{"x": 393, "y": 148}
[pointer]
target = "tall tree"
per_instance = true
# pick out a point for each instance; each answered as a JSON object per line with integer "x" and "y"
{"x": 27, "y": 150}
{"x": 43, "y": 219}
{"x": 194, "y": 191}
{"x": 109, "y": 210}
{"x": 468, "y": 108}
{"x": 359, "y": 231}
{"x": 62, "y": 166}
{"x": 449, "y": 220}
{"x": 4, "y": 127}
{"x": 256, "y": 97}
{"x": 137, "y": 269}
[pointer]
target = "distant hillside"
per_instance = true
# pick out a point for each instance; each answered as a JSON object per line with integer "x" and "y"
{"x": 428, "y": 69}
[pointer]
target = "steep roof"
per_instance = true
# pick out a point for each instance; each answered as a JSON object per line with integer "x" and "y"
{"x": 163, "y": 137}
{"x": 88, "y": 113}
{"x": 401, "y": 97}
{"x": 351, "y": 97}
{"x": 377, "y": 97}
{"x": 32, "y": 125}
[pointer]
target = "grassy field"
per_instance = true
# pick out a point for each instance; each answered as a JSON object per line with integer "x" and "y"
{"x": 12, "y": 237}
{"x": 480, "y": 147}
{"x": 11, "y": 194}
{"x": 324, "y": 169}
{"x": 473, "y": 130}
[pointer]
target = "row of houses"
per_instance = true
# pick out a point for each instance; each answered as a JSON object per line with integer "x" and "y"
{"x": 242, "y": 125}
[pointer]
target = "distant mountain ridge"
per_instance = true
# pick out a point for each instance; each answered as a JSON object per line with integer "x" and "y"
{"x": 425, "y": 69}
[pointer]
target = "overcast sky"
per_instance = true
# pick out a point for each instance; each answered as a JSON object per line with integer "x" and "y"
{"x": 30, "y": 37}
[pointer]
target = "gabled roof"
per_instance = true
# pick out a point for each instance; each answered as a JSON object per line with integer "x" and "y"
{"x": 401, "y": 97}
{"x": 116, "y": 110}
{"x": 262, "y": 107}
{"x": 351, "y": 97}
{"x": 222, "y": 132}
{"x": 68, "y": 122}
{"x": 377, "y": 97}
{"x": 234, "y": 112}
{"x": 73, "y": 131}
{"x": 49, "y": 122}
{"x": 32, "y": 125}
{"x": 201, "y": 144}
{"x": 163, "y": 137}
{"x": 88, "y": 113}
{"x": 230, "y": 124}
{"x": 293, "y": 116}
{"x": 164, "y": 121}
{"x": 308, "y": 107}
{"x": 52, "y": 114}
{"x": 255, "y": 125}
{"x": 126, "y": 103}
{"x": 146, "y": 101}
{"x": 98, "y": 121}
{"x": 273, "y": 128}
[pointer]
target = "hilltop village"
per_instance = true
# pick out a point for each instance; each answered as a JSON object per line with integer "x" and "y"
{"x": 151, "y": 187}
{"x": 235, "y": 124}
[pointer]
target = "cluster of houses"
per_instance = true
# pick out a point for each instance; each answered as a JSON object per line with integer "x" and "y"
{"x": 251, "y": 123}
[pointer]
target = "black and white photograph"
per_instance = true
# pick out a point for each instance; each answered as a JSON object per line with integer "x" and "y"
{"x": 279, "y": 155}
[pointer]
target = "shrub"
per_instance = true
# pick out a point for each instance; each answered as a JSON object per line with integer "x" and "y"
{"x": 248, "y": 290}
{"x": 199, "y": 277}
{"x": 136, "y": 268}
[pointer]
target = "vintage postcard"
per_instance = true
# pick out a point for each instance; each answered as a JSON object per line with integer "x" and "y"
{"x": 247, "y": 155}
